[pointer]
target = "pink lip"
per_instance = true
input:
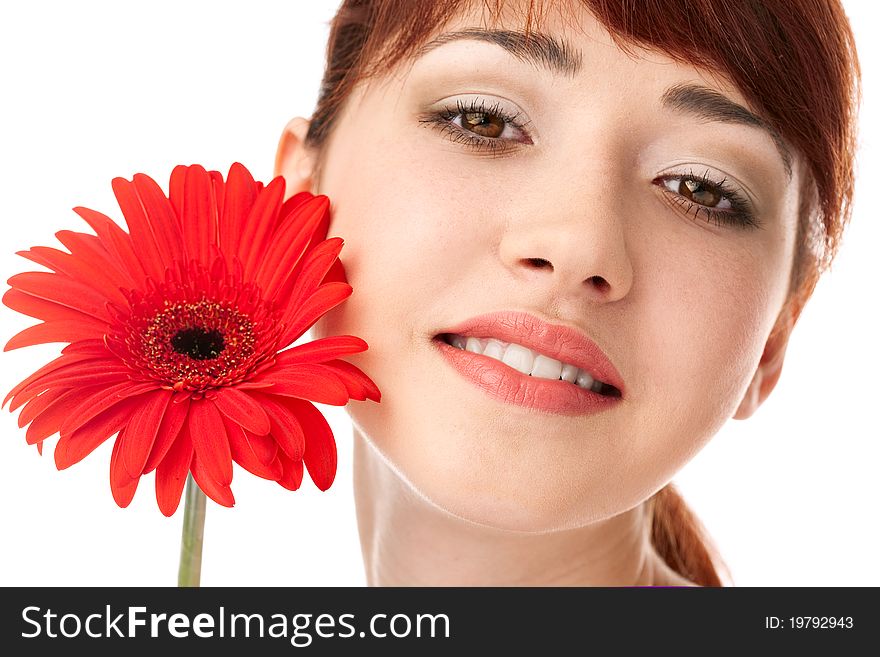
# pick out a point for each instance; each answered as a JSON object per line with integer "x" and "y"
{"x": 507, "y": 384}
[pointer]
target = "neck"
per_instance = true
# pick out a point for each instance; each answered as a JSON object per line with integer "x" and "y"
{"x": 408, "y": 541}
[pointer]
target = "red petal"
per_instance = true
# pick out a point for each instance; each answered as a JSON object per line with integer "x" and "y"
{"x": 42, "y": 309}
{"x": 91, "y": 372}
{"x": 199, "y": 215}
{"x": 122, "y": 486}
{"x": 67, "y": 358}
{"x": 54, "y": 259}
{"x": 93, "y": 347}
{"x": 251, "y": 385}
{"x": 171, "y": 474}
{"x": 209, "y": 440}
{"x": 241, "y": 408}
{"x": 50, "y": 420}
{"x": 74, "y": 447}
{"x": 79, "y": 369}
{"x": 320, "y": 455}
{"x": 173, "y": 422}
{"x": 220, "y": 493}
{"x": 307, "y": 381}
{"x": 239, "y": 195}
{"x": 136, "y": 388}
{"x": 358, "y": 384}
{"x": 176, "y": 186}
{"x": 117, "y": 242}
{"x": 218, "y": 188}
{"x": 39, "y": 404}
{"x": 319, "y": 236}
{"x": 323, "y": 349}
{"x": 302, "y": 317}
{"x": 91, "y": 250}
{"x": 142, "y": 237}
{"x": 295, "y": 232}
{"x": 244, "y": 455}
{"x": 313, "y": 267}
{"x": 296, "y": 202}
{"x": 102, "y": 399}
{"x": 336, "y": 273}
{"x": 259, "y": 227}
{"x": 264, "y": 447}
{"x": 63, "y": 291}
{"x": 286, "y": 429}
{"x": 140, "y": 434}
{"x": 63, "y": 330}
{"x": 93, "y": 264}
{"x": 292, "y": 472}
{"x": 166, "y": 229}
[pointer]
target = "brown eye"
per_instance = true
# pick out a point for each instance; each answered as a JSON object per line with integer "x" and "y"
{"x": 483, "y": 123}
{"x": 702, "y": 192}
{"x": 479, "y": 125}
{"x": 699, "y": 192}
{"x": 720, "y": 202}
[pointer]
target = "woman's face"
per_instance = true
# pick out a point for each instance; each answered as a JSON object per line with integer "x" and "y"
{"x": 622, "y": 200}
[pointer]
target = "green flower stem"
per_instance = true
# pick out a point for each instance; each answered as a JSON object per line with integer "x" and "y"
{"x": 190, "y": 571}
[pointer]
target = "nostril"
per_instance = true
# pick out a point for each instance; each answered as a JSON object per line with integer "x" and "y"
{"x": 600, "y": 283}
{"x": 539, "y": 262}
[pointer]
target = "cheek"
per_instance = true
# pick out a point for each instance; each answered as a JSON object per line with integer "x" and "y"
{"x": 711, "y": 316}
{"x": 408, "y": 239}
{"x": 404, "y": 247}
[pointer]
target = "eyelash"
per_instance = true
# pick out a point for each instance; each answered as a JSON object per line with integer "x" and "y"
{"x": 740, "y": 213}
{"x": 442, "y": 121}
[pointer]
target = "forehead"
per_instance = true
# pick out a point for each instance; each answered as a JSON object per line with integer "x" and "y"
{"x": 561, "y": 37}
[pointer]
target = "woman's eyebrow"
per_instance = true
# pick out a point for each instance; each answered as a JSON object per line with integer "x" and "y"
{"x": 538, "y": 49}
{"x": 711, "y": 105}
{"x": 555, "y": 55}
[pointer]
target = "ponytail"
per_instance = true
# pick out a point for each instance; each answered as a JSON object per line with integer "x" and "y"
{"x": 681, "y": 540}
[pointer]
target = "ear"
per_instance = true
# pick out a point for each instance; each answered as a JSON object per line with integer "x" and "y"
{"x": 293, "y": 160}
{"x": 769, "y": 369}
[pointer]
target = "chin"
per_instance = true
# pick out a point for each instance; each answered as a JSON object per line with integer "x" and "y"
{"x": 526, "y": 513}
{"x": 522, "y": 520}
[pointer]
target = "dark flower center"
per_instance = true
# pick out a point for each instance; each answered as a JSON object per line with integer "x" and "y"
{"x": 197, "y": 343}
{"x": 197, "y": 330}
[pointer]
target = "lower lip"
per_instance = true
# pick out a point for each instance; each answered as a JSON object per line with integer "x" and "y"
{"x": 508, "y": 385}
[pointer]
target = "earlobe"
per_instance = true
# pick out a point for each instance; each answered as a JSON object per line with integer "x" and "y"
{"x": 293, "y": 160}
{"x": 766, "y": 376}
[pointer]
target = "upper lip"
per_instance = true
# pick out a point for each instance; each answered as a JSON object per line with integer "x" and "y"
{"x": 563, "y": 343}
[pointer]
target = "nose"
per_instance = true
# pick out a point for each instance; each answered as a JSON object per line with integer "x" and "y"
{"x": 575, "y": 248}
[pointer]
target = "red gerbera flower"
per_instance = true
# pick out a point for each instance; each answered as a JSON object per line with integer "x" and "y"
{"x": 175, "y": 332}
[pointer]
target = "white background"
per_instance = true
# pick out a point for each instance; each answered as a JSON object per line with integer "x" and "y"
{"x": 94, "y": 90}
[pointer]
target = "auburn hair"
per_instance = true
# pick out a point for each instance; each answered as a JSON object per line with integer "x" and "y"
{"x": 794, "y": 62}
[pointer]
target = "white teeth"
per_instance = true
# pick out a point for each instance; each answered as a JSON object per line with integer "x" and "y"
{"x": 584, "y": 380}
{"x": 519, "y": 358}
{"x": 546, "y": 368}
{"x": 474, "y": 344}
{"x": 494, "y": 348}
{"x": 569, "y": 373}
{"x": 525, "y": 360}
{"x": 458, "y": 341}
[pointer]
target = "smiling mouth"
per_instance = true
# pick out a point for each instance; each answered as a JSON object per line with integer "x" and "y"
{"x": 529, "y": 362}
